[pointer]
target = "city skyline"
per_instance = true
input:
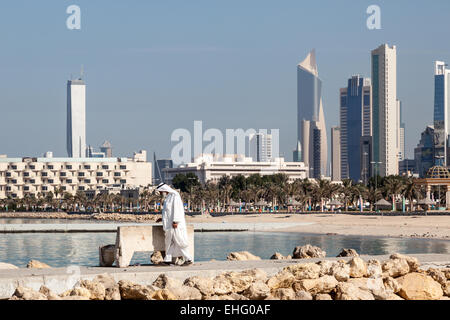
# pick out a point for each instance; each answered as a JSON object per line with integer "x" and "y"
{"x": 146, "y": 132}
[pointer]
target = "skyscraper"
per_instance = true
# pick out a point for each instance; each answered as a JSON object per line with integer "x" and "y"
{"x": 384, "y": 100}
{"x": 355, "y": 122}
{"x": 401, "y": 134}
{"x": 441, "y": 111}
{"x": 335, "y": 153}
{"x": 297, "y": 153}
{"x": 76, "y": 118}
{"x": 311, "y": 129}
{"x": 106, "y": 148}
{"x": 261, "y": 147}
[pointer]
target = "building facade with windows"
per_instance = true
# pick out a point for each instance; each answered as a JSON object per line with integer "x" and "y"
{"x": 385, "y": 109}
{"x": 210, "y": 168}
{"x": 32, "y": 176}
{"x": 355, "y": 122}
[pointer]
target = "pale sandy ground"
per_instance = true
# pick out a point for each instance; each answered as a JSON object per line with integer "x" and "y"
{"x": 437, "y": 227}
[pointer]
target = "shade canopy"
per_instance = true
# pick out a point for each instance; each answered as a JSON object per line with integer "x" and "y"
{"x": 426, "y": 201}
{"x": 382, "y": 202}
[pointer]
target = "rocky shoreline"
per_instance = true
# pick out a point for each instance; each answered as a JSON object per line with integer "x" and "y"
{"x": 398, "y": 278}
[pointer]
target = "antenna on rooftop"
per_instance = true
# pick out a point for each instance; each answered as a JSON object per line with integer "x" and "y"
{"x": 81, "y": 72}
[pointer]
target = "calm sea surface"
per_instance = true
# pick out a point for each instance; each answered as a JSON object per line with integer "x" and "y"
{"x": 63, "y": 249}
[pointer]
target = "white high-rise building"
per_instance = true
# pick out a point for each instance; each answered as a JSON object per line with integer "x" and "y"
{"x": 385, "y": 110}
{"x": 261, "y": 147}
{"x": 76, "y": 118}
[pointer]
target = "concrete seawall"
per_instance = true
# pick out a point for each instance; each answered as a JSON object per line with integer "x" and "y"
{"x": 62, "y": 279}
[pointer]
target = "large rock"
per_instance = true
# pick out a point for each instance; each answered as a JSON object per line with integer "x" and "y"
{"x": 348, "y": 253}
{"x": 204, "y": 285}
{"x": 257, "y": 291}
{"x": 132, "y": 291}
{"x": 222, "y": 286}
{"x": 279, "y": 256}
{"x": 24, "y": 293}
{"x": 303, "y": 295}
{"x": 282, "y": 294}
{"x": 7, "y": 266}
{"x": 358, "y": 267}
{"x": 282, "y": 279}
{"x": 256, "y": 274}
{"x": 78, "y": 292}
{"x": 304, "y": 271}
{"x": 326, "y": 267}
{"x": 446, "y": 289}
{"x": 322, "y": 296}
{"x": 35, "y": 264}
{"x": 341, "y": 270}
{"x": 446, "y": 272}
{"x": 391, "y": 284}
{"x": 239, "y": 281}
{"x": 419, "y": 286}
{"x": 395, "y": 267}
{"x": 437, "y": 276}
{"x": 164, "y": 282}
{"x": 373, "y": 285}
{"x": 186, "y": 293}
{"x": 97, "y": 290}
{"x": 112, "y": 291}
{"x": 308, "y": 251}
{"x": 157, "y": 257}
{"x": 374, "y": 269}
{"x": 412, "y": 262}
{"x": 241, "y": 256}
{"x": 48, "y": 293}
{"x": 350, "y": 291}
{"x": 163, "y": 294}
{"x": 324, "y": 284}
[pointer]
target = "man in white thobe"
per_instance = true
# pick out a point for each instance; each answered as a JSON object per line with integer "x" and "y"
{"x": 174, "y": 225}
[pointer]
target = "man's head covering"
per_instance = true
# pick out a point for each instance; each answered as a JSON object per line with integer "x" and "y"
{"x": 165, "y": 188}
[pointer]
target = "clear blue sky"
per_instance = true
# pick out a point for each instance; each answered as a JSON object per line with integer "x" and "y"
{"x": 154, "y": 66}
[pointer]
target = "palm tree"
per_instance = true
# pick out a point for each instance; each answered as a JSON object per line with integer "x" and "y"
{"x": 393, "y": 186}
{"x": 411, "y": 191}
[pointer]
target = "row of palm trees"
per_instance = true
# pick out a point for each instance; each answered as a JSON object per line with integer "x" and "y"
{"x": 253, "y": 193}
{"x": 276, "y": 193}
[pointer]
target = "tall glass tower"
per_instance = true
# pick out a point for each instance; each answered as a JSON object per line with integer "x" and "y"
{"x": 76, "y": 118}
{"x": 313, "y": 138}
{"x": 355, "y": 122}
{"x": 441, "y": 112}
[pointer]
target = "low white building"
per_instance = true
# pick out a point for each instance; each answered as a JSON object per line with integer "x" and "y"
{"x": 21, "y": 176}
{"x": 209, "y": 167}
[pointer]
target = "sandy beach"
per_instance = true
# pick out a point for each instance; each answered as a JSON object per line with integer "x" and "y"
{"x": 437, "y": 227}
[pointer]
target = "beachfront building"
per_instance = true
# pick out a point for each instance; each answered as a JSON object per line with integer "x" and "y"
{"x": 76, "y": 118}
{"x": 311, "y": 128}
{"x": 385, "y": 109}
{"x": 355, "y": 123}
{"x": 33, "y": 176}
{"x": 208, "y": 167}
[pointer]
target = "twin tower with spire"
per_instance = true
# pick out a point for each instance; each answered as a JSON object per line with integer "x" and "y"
{"x": 312, "y": 148}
